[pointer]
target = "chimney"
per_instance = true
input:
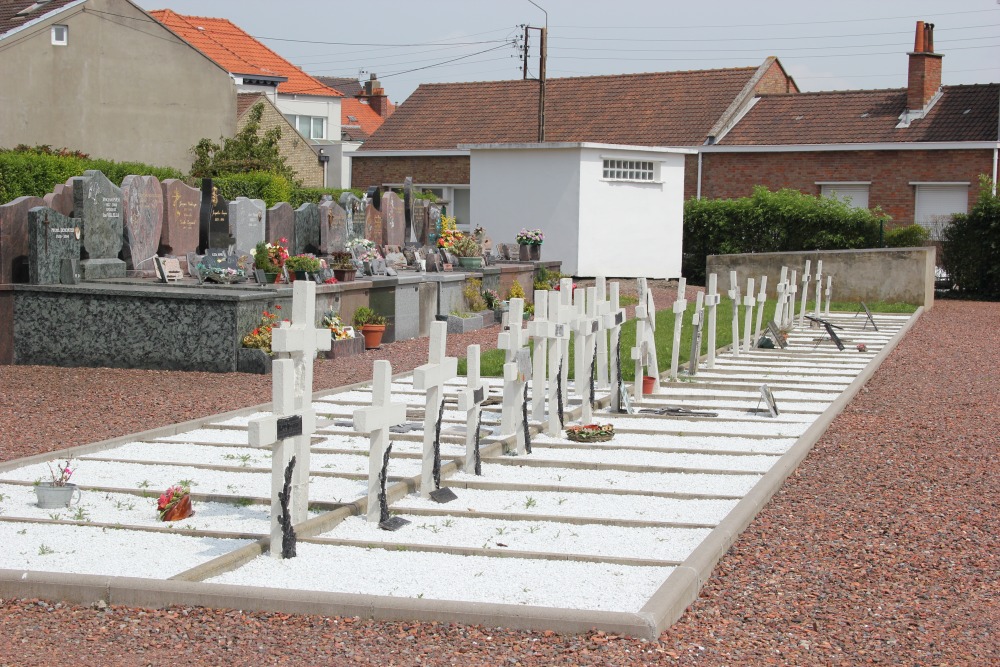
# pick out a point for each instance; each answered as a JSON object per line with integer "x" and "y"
{"x": 925, "y": 69}
{"x": 376, "y": 96}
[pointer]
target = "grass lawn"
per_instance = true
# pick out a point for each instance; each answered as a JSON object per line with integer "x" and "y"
{"x": 491, "y": 361}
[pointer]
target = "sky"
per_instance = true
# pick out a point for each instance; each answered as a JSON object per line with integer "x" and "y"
{"x": 833, "y": 45}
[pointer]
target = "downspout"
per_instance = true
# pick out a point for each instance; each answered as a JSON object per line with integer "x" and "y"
{"x": 698, "y": 195}
{"x": 994, "y": 188}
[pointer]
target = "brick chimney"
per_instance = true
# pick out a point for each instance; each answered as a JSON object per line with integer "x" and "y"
{"x": 375, "y": 94}
{"x": 925, "y": 69}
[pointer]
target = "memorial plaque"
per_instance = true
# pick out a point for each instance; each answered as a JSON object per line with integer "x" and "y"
{"x": 52, "y": 237}
{"x": 214, "y": 218}
{"x": 768, "y": 398}
{"x": 70, "y": 273}
{"x": 619, "y": 319}
{"x": 524, "y": 363}
{"x": 560, "y": 330}
{"x": 594, "y": 326}
{"x": 443, "y": 495}
{"x": 868, "y": 314}
{"x": 775, "y": 334}
{"x": 142, "y": 207}
{"x": 289, "y": 427}
{"x": 479, "y": 395}
{"x": 260, "y": 276}
{"x": 393, "y": 523}
{"x": 833, "y": 335}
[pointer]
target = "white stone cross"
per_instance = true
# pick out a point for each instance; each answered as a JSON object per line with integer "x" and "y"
{"x": 557, "y": 333}
{"x": 613, "y": 321}
{"x": 431, "y": 378}
{"x": 602, "y": 308}
{"x": 697, "y": 328}
{"x": 376, "y": 421}
{"x": 761, "y": 300}
{"x": 644, "y": 352}
{"x": 711, "y": 301}
{"x": 538, "y": 329}
{"x": 515, "y": 337}
{"x": 749, "y": 302}
{"x": 793, "y": 288}
{"x": 264, "y": 432}
{"x": 829, "y": 281}
{"x": 470, "y": 401}
{"x": 567, "y": 317}
{"x": 512, "y": 416}
{"x": 782, "y": 291}
{"x": 680, "y": 306}
{"x": 806, "y": 277}
{"x": 819, "y": 286}
{"x": 299, "y": 341}
{"x": 734, "y": 295}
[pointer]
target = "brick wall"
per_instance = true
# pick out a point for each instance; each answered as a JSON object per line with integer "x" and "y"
{"x": 296, "y": 151}
{"x": 445, "y": 169}
{"x": 774, "y": 81}
{"x": 729, "y": 175}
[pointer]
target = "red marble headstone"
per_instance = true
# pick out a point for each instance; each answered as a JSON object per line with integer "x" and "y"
{"x": 280, "y": 223}
{"x": 14, "y": 238}
{"x": 61, "y": 198}
{"x": 181, "y": 210}
{"x": 142, "y": 201}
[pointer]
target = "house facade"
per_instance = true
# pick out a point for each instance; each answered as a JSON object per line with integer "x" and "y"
{"x": 102, "y": 77}
{"x": 298, "y": 153}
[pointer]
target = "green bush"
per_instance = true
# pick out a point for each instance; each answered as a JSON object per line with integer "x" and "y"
{"x": 272, "y": 188}
{"x": 302, "y": 196}
{"x": 910, "y": 236}
{"x": 971, "y": 246}
{"x": 767, "y": 221}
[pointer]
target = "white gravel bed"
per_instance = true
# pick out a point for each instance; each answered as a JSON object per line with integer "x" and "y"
{"x": 398, "y": 446}
{"x": 156, "y": 478}
{"x": 752, "y": 463}
{"x": 414, "y": 574}
{"x": 839, "y": 368}
{"x": 718, "y": 405}
{"x": 724, "y": 415}
{"x": 773, "y": 375}
{"x": 126, "y": 509}
{"x": 320, "y": 406}
{"x": 102, "y": 551}
{"x": 214, "y": 435}
{"x": 766, "y": 425}
{"x": 708, "y": 443}
{"x": 672, "y": 544}
{"x": 693, "y": 389}
{"x": 585, "y": 505}
{"x": 697, "y": 483}
{"x": 754, "y": 383}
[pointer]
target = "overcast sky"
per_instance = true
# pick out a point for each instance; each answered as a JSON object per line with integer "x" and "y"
{"x": 833, "y": 45}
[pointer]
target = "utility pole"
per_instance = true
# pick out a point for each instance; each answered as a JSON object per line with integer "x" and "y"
{"x": 542, "y": 54}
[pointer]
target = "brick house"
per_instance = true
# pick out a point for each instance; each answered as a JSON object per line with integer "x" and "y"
{"x": 916, "y": 152}
{"x": 663, "y": 109}
{"x": 298, "y": 153}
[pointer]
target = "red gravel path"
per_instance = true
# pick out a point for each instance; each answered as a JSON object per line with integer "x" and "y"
{"x": 882, "y": 547}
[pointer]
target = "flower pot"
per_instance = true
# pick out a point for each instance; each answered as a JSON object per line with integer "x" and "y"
{"x": 523, "y": 252}
{"x": 53, "y": 497}
{"x": 470, "y": 262}
{"x": 344, "y": 275}
{"x": 181, "y": 510}
{"x": 373, "y": 335}
{"x": 648, "y": 384}
{"x": 272, "y": 277}
{"x": 535, "y": 252}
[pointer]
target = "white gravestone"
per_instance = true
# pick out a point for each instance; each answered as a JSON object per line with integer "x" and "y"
{"x": 587, "y": 327}
{"x": 697, "y": 318}
{"x": 557, "y": 333}
{"x": 300, "y": 340}
{"x": 761, "y": 300}
{"x": 603, "y": 307}
{"x": 376, "y": 421}
{"x": 513, "y": 404}
{"x": 781, "y": 290}
{"x": 613, "y": 321}
{"x": 512, "y": 342}
{"x": 829, "y": 281}
{"x": 470, "y": 401}
{"x": 749, "y": 302}
{"x": 644, "y": 352}
{"x": 819, "y": 286}
{"x": 793, "y": 288}
{"x": 806, "y": 277}
{"x": 680, "y": 306}
{"x": 538, "y": 332}
{"x": 734, "y": 296}
{"x": 567, "y": 316}
{"x": 711, "y": 302}
{"x": 431, "y": 378}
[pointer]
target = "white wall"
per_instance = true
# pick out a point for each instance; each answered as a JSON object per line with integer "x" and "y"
{"x": 304, "y": 105}
{"x": 512, "y": 189}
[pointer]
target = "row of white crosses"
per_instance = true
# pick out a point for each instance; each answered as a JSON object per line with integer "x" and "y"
{"x": 512, "y": 341}
{"x": 288, "y": 430}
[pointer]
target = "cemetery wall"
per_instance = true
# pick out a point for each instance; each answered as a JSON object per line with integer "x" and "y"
{"x": 437, "y": 169}
{"x": 292, "y": 146}
{"x": 891, "y": 172}
{"x": 878, "y": 274}
{"x": 6, "y": 324}
{"x": 119, "y": 88}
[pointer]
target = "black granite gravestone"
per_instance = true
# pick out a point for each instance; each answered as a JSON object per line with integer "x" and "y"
{"x": 52, "y": 237}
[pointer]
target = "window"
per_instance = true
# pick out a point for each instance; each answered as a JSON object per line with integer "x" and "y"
{"x": 310, "y": 127}
{"x": 854, "y": 193}
{"x": 60, "y": 35}
{"x": 629, "y": 170}
{"x": 937, "y": 202}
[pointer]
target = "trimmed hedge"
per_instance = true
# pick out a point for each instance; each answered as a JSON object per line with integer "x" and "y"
{"x": 911, "y": 236}
{"x": 971, "y": 246}
{"x": 786, "y": 220}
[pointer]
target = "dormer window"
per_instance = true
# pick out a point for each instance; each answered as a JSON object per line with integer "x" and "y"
{"x": 60, "y": 35}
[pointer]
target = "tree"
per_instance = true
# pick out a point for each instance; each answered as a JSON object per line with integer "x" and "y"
{"x": 248, "y": 151}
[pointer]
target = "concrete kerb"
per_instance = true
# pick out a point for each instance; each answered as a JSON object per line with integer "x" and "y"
{"x": 682, "y": 586}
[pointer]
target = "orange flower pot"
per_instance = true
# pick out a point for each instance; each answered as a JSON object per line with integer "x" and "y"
{"x": 648, "y": 384}
{"x": 373, "y": 335}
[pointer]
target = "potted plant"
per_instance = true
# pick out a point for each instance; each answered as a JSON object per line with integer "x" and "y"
{"x": 469, "y": 252}
{"x": 175, "y": 503}
{"x": 345, "y": 343}
{"x": 301, "y": 265}
{"x": 590, "y": 433}
{"x": 530, "y": 244}
{"x": 371, "y": 324}
{"x": 255, "y": 353}
{"x": 343, "y": 266}
{"x": 270, "y": 257}
{"x": 58, "y": 492}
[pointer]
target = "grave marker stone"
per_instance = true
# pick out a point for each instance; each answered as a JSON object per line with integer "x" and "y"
{"x": 793, "y": 288}
{"x": 819, "y": 287}
{"x": 696, "y": 329}
{"x": 52, "y": 237}
{"x": 644, "y": 352}
{"x": 280, "y": 224}
{"x": 829, "y": 282}
{"x": 306, "y": 230}
{"x": 556, "y": 333}
{"x": 782, "y": 294}
{"x": 734, "y": 295}
{"x": 761, "y": 300}
{"x": 354, "y": 209}
{"x": 60, "y": 199}
{"x": 806, "y": 277}
{"x": 332, "y": 228}
{"x": 711, "y": 302}
{"x": 749, "y": 302}
{"x": 181, "y": 208}
{"x": 680, "y": 306}
{"x": 613, "y": 321}
{"x": 408, "y": 209}
{"x": 431, "y": 378}
{"x": 420, "y": 212}
{"x": 142, "y": 206}
{"x": 374, "y": 225}
{"x": 376, "y": 422}
{"x": 213, "y": 219}
{"x": 246, "y": 216}
{"x": 97, "y": 202}
{"x": 393, "y": 220}
{"x": 14, "y": 239}
{"x": 603, "y": 307}
{"x": 470, "y": 401}
{"x": 537, "y": 330}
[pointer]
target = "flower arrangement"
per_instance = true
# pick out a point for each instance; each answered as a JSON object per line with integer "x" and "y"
{"x": 221, "y": 274}
{"x": 270, "y": 257}
{"x": 492, "y": 298}
{"x": 862, "y": 347}
{"x": 364, "y": 316}
{"x": 530, "y": 237}
{"x": 449, "y": 237}
{"x": 590, "y": 432}
{"x": 338, "y": 329}
{"x": 175, "y": 503}
{"x": 366, "y": 250}
{"x": 466, "y": 246}
{"x": 61, "y": 478}
{"x": 341, "y": 260}
{"x": 302, "y": 263}
{"x": 260, "y": 337}
{"x": 330, "y": 281}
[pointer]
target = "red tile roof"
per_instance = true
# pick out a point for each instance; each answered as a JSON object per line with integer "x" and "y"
{"x": 239, "y": 53}
{"x": 10, "y": 8}
{"x": 653, "y": 109}
{"x": 358, "y": 118}
{"x": 963, "y": 113}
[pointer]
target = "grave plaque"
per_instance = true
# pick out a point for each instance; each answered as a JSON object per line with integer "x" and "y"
{"x": 181, "y": 204}
{"x": 289, "y": 427}
{"x": 332, "y": 228}
{"x": 280, "y": 223}
{"x": 868, "y": 314}
{"x": 393, "y": 220}
{"x": 52, "y": 237}
{"x": 306, "y": 230}
{"x": 246, "y": 216}
{"x": 768, "y": 398}
{"x": 14, "y": 238}
{"x": 142, "y": 208}
{"x": 97, "y": 202}
{"x": 775, "y": 333}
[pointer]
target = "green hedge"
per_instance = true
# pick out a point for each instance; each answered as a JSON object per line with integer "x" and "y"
{"x": 971, "y": 247}
{"x": 911, "y": 236}
{"x": 785, "y": 220}
{"x": 28, "y": 173}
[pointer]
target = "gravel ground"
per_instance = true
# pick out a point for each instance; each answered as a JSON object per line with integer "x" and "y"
{"x": 882, "y": 547}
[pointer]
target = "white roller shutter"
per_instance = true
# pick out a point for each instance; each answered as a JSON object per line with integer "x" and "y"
{"x": 937, "y": 202}
{"x": 855, "y": 193}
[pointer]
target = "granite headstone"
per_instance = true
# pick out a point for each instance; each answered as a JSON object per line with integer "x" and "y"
{"x": 420, "y": 214}
{"x": 181, "y": 204}
{"x": 214, "y": 218}
{"x": 306, "y": 230}
{"x": 52, "y": 237}
{"x": 373, "y": 223}
{"x": 14, "y": 239}
{"x": 61, "y": 198}
{"x": 97, "y": 202}
{"x": 354, "y": 208}
{"x": 393, "y": 220}
{"x": 142, "y": 199}
{"x": 433, "y": 224}
{"x": 280, "y": 223}
{"x": 332, "y": 228}
{"x": 246, "y": 216}
{"x": 408, "y": 208}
